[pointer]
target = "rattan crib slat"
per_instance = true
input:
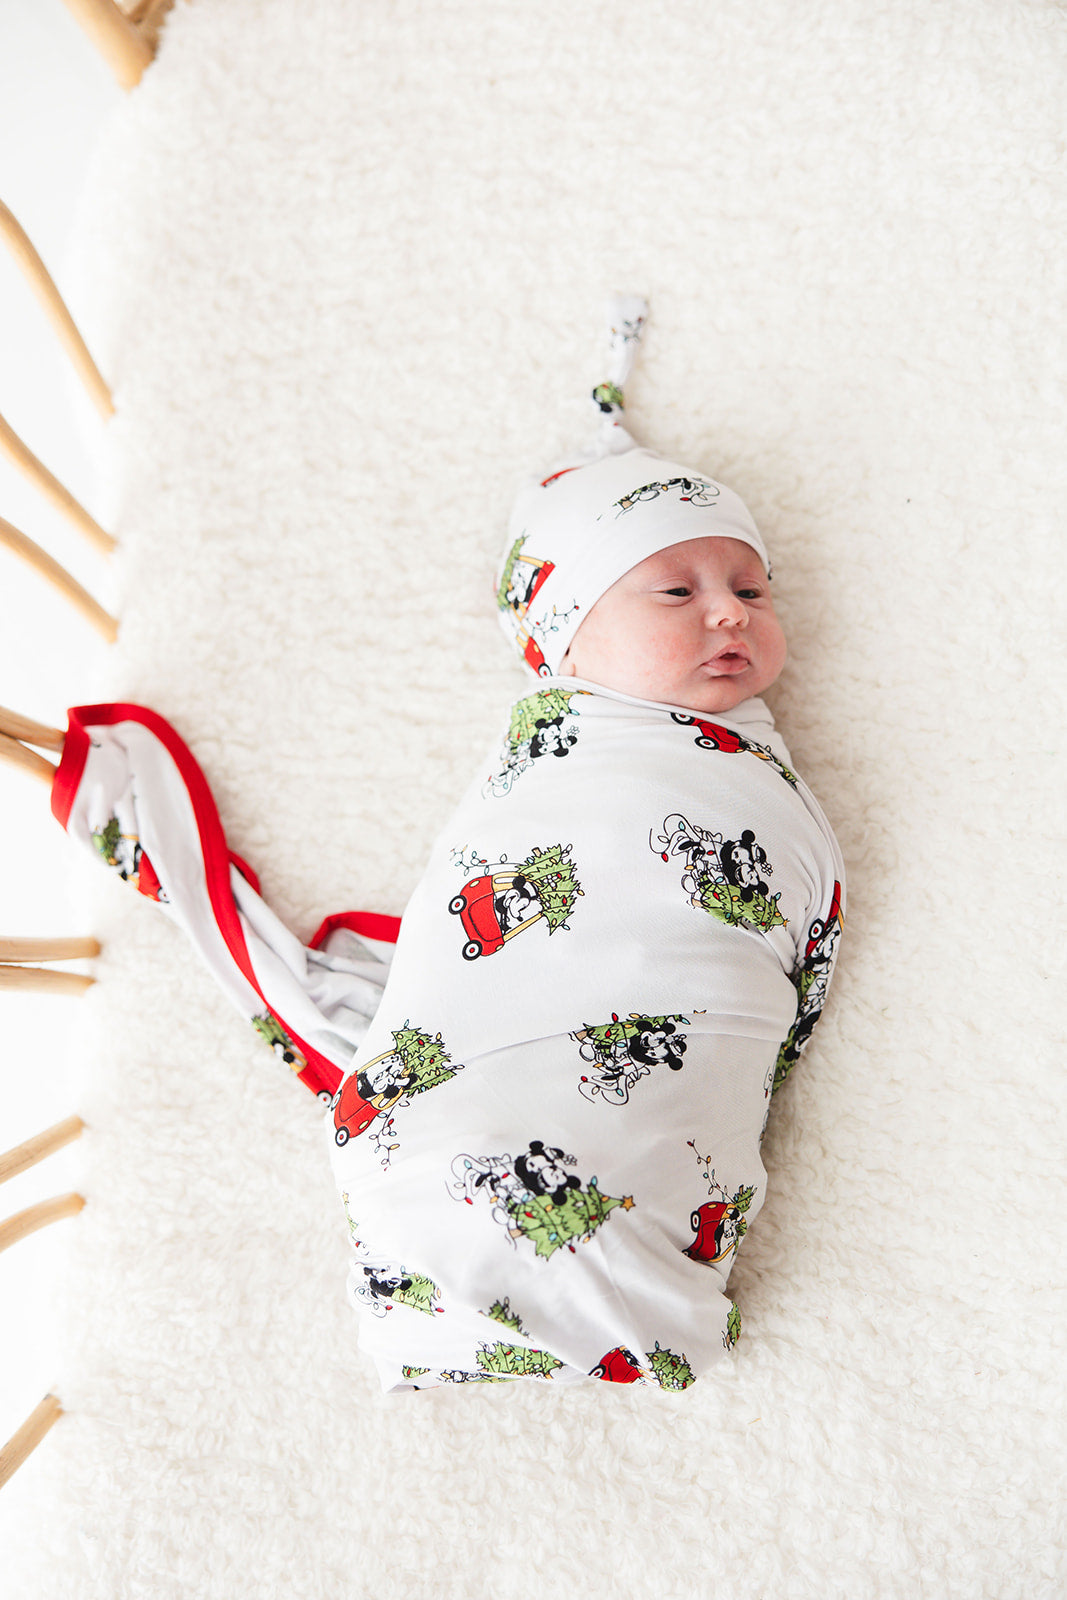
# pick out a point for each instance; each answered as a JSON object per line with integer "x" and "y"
{"x": 18, "y": 756}
{"x": 30, "y": 552}
{"x": 42, "y": 981}
{"x": 49, "y": 485}
{"x": 26, "y": 1439}
{"x": 122, "y": 46}
{"x": 23, "y": 1156}
{"x": 55, "y": 308}
{"x": 23, "y": 1223}
{"x": 62, "y": 949}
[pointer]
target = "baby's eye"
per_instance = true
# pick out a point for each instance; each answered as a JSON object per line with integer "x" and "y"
{"x": 749, "y": 594}
{"x": 680, "y": 590}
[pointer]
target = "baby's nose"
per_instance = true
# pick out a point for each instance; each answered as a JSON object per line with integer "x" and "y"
{"x": 724, "y": 609}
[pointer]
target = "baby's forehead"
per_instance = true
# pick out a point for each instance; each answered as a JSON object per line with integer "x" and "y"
{"x": 724, "y": 553}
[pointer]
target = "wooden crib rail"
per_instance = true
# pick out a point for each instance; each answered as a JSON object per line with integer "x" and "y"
{"x": 23, "y": 1223}
{"x": 55, "y": 308}
{"x": 39, "y": 980}
{"x": 26, "y": 1439}
{"x": 125, "y": 36}
{"x": 26, "y": 1155}
{"x": 30, "y": 552}
{"x": 17, "y": 755}
{"x": 21, "y": 456}
{"x": 34, "y": 949}
{"x": 15, "y": 975}
{"x": 16, "y": 726}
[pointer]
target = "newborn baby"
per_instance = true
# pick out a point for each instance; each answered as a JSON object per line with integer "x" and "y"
{"x": 548, "y": 1143}
{"x": 546, "y": 1127}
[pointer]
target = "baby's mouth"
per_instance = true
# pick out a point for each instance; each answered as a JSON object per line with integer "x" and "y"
{"x": 729, "y": 660}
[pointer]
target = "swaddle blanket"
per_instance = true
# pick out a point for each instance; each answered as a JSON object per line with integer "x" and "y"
{"x": 624, "y": 934}
{"x": 547, "y": 1134}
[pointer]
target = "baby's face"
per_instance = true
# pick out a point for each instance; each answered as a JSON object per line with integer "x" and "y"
{"x": 693, "y": 625}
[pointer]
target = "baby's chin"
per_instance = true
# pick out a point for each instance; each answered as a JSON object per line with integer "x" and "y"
{"x": 713, "y": 697}
{"x": 709, "y": 700}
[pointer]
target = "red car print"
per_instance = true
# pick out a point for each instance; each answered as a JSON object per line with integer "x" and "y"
{"x": 618, "y": 1366}
{"x": 534, "y": 658}
{"x": 711, "y": 735}
{"x": 351, "y": 1113}
{"x": 820, "y": 930}
{"x": 475, "y": 906}
{"x": 714, "y": 1226}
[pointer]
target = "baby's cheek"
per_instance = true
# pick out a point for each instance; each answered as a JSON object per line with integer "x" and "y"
{"x": 774, "y": 651}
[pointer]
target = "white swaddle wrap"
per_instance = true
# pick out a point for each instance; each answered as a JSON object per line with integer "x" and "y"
{"x": 629, "y": 921}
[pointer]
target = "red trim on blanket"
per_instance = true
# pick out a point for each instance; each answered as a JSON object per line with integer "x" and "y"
{"x": 246, "y": 872}
{"x": 370, "y": 924}
{"x": 71, "y": 765}
{"x": 320, "y": 1075}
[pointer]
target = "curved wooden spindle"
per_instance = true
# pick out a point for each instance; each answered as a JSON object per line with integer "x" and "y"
{"x": 42, "y": 1215}
{"x": 16, "y": 541}
{"x": 26, "y": 1439}
{"x": 17, "y": 755}
{"x": 14, "y": 974}
{"x": 62, "y": 949}
{"x": 16, "y": 726}
{"x": 26, "y": 1155}
{"x": 41, "y": 980}
{"x": 125, "y": 38}
{"x": 21, "y": 456}
{"x": 55, "y": 308}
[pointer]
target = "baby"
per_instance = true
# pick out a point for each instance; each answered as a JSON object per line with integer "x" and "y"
{"x": 546, "y": 1113}
{"x": 620, "y": 945}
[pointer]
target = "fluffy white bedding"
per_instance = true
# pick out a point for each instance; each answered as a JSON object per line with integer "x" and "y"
{"x": 344, "y": 265}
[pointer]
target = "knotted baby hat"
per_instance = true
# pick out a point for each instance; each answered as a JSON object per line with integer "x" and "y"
{"x": 575, "y": 532}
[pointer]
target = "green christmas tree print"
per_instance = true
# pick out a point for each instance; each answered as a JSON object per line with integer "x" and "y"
{"x": 551, "y": 873}
{"x": 420, "y": 1295}
{"x": 785, "y": 1063}
{"x": 274, "y": 1035}
{"x": 509, "y": 567}
{"x": 515, "y": 1361}
{"x": 789, "y": 1054}
{"x": 733, "y": 1327}
{"x": 725, "y": 902}
{"x": 669, "y": 1370}
{"x": 769, "y": 755}
{"x": 106, "y": 840}
{"x": 425, "y": 1056}
{"x": 542, "y": 707}
{"x": 551, "y": 1224}
{"x": 606, "y": 1035}
{"x": 608, "y": 396}
{"x": 501, "y": 1312}
{"x": 270, "y": 1030}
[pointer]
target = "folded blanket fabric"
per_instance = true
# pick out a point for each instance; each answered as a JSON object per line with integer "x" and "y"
{"x": 602, "y": 1005}
{"x": 130, "y": 788}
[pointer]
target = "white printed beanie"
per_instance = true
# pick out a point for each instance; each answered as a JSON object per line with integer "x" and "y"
{"x": 574, "y": 533}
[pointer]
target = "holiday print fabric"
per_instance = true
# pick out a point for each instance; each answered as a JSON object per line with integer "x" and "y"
{"x": 546, "y": 1107}
{"x": 623, "y": 938}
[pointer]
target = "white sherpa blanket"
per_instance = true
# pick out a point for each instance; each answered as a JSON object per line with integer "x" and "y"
{"x": 343, "y": 264}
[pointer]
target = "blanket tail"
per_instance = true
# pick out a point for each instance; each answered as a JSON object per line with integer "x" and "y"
{"x": 129, "y": 788}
